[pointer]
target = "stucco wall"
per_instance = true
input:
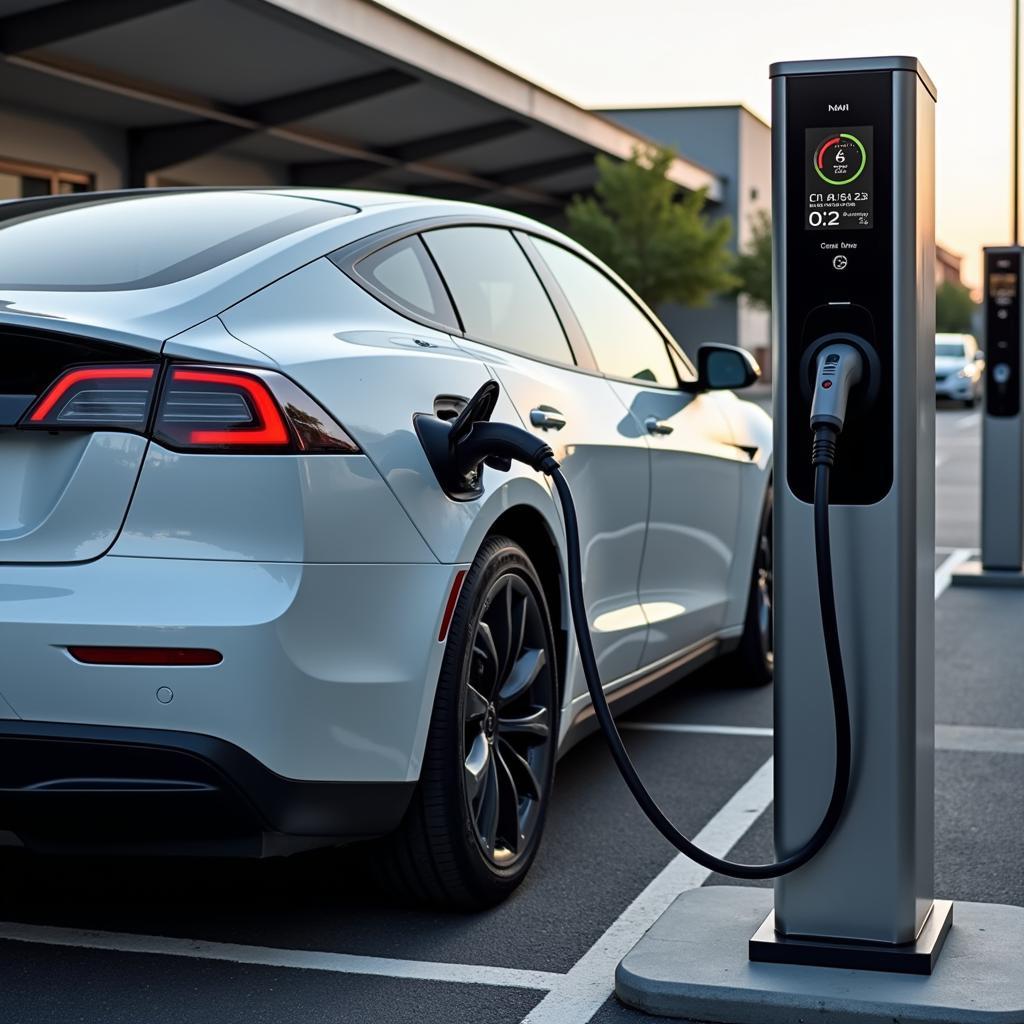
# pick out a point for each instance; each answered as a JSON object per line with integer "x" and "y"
{"x": 36, "y": 137}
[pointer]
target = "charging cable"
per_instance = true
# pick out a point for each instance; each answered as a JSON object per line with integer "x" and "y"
{"x": 839, "y": 369}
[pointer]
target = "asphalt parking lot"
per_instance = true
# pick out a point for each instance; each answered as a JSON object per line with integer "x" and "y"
{"x": 308, "y": 940}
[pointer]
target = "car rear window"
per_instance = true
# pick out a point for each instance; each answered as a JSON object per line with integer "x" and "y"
{"x": 498, "y": 295}
{"x": 404, "y": 273}
{"x": 143, "y": 241}
{"x": 949, "y": 348}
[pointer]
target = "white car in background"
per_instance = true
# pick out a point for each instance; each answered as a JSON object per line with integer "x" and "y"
{"x": 238, "y": 615}
{"x": 959, "y": 368}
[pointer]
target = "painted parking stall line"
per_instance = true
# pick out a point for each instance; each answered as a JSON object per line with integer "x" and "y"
{"x": 952, "y": 562}
{"x": 264, "y": 956}
{"x": 581, "y": 992}
{"x": 979, "y": 739}
{"x": 973, "y": 739}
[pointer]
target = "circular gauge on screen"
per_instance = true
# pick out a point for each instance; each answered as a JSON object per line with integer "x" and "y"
{"x": 840, "y": 159}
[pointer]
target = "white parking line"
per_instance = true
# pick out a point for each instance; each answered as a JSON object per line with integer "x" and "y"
{"x": 578, "y": 995}
{"x": 308, "y": 960}
{"x": 968, "y": 421}
{"x": 944, "y": 573}
{"x": 978, "y": 739}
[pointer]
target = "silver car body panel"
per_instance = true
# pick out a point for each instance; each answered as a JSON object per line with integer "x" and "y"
{"x": 323, "y": 579}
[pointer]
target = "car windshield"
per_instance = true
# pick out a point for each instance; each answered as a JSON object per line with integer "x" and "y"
{"x": 950, "y": 348}
{"x": 143, "y": 241}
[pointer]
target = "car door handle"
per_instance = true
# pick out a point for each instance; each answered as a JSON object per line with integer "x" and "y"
{"x": 547, "y": 418}
{"x": 656, "y": 426}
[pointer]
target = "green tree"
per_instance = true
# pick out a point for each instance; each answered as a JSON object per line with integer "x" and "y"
{"x": 657, "y": 237}
{"x": 754, "y": 264}
{"x": 954, "y": 308}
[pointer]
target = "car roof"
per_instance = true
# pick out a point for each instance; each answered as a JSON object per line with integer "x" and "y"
{"x": 149, "y": 315}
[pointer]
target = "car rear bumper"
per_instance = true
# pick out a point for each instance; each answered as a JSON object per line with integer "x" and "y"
{"x": 101, "y": 789}
{"x": 327, "y": 673}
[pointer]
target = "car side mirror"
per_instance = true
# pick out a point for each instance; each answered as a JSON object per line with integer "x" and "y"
{"x": 721, "y": 367}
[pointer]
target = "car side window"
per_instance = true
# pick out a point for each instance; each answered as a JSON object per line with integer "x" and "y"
{"x": 624, "y": 342}
{"x": 404, "y": 273}
{"x": 497, "y": 293}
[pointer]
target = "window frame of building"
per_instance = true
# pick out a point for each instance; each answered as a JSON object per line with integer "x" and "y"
{"x": 56, "y": 175}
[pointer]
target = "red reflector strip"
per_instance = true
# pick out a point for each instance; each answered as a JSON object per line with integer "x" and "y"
{"x": 453, "y": 600}
{"x": 145, "y": 655}
{"x": 77, "y": 376}
{"x": 272, "y": 431}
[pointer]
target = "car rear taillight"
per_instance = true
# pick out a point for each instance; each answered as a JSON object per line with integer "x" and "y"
{"x": 94, "y": 398}
{"x": 226, "y": 409}
{"x": 216, "y": 409}
{"x": 200, "y": 409}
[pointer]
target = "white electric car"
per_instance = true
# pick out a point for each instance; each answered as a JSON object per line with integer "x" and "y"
{"x": 238, "y": 615}
{"x": 959, "y": 368}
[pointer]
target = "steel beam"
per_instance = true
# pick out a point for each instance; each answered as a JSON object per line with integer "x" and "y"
{"x": 450, "y": 142}
{"x": 331, "y": 173}
{"x": 43, "y": 26}
{"x": 322, "y": 98}
{"x": 545, "y": 168}
{"x": 335, "y": 172}
{"x": 152, "y": 149}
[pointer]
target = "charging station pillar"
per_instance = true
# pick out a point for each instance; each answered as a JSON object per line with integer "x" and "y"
{"x": 1002, "y": 443}
{"x": 853, "y": 199}
{"x": 853, "y": 196}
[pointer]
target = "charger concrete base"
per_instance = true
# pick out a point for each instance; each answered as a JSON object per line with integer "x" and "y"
{"x": 693, "y": 963}
{"x": 974, "y": 574}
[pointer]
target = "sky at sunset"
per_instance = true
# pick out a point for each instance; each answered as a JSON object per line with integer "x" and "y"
{"x": 689, "y": 53}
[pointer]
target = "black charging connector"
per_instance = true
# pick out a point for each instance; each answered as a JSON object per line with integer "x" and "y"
{"x": 840, "y": 368}
{"x": 458, "y": 451}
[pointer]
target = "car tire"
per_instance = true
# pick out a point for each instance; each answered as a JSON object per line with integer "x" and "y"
{"x": 754, "y": 658}
{"x": 970, "y": 403}
{"x": 475, "y": 822}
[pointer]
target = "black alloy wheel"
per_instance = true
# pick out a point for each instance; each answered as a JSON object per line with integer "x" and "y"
{"x": 507, "y": 720}
{"x": 476, "y": 820}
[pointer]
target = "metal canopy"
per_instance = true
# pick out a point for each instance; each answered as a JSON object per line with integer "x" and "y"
{"x": 345, "y": 93}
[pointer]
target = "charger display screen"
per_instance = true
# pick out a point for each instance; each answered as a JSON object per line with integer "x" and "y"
{"x": 838, "y": 178}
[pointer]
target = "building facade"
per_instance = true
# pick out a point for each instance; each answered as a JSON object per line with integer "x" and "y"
{"x": 947, "y": 266}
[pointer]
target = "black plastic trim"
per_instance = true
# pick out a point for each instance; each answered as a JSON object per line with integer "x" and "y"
{"x": 768, "y": 946}
{"x": 80, "y": 786}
